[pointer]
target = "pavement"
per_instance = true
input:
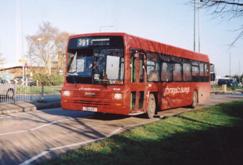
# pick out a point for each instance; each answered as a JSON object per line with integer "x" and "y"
{"x": 8, "y": 108}
{"x": 33, "y": 136}
{"x": 21, "y": 106}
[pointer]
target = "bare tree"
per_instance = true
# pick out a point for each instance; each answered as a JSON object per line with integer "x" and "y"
{"x": 227, "y": 9}
{"x": 2, "y": 60}
{"x": 45, "y": 45}
{"x": 61, "y": 42}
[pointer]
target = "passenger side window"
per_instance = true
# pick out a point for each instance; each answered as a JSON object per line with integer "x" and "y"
{"x": 153, "y": 67}
{"x": 166, "y": 71}
{"x": 141, "y": 68}
{"x": 206, "y": 69}
{"x": 187, "y": 74}
{"x": 137, "y": 69}
{"x": 195, "y": 69}
{"x": 133, "y": 71}
{"x": 201, "y": 69}
{"x": 177, "y": 73}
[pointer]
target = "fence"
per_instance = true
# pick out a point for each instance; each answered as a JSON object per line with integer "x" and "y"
{"x": 10, "y": 93}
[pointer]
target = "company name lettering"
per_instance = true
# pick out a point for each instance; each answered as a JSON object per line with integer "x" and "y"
{"x": 89, "y": 89}
{"x": 178, "y": 90}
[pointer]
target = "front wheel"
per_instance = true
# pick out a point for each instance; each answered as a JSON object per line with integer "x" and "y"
{"x": 151, "y": 106}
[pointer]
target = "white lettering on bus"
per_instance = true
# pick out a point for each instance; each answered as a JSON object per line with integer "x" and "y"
{"x": 178, "y": 90}
{"x": 89, "y": 89}
{"x": 116, "y": 89}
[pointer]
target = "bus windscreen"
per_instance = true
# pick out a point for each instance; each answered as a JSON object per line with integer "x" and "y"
{"x": 95, "y": 60}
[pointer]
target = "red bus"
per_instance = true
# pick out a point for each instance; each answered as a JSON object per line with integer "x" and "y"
{"x": 120, "y": 73}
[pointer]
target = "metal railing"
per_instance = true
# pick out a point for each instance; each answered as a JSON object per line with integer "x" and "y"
{"x": 10, "y": 93}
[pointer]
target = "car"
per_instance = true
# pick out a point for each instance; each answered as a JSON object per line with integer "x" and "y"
{"x": 24, "y": 81}
{"x": 7, "y": 89}
{"x": 227, "y": 81}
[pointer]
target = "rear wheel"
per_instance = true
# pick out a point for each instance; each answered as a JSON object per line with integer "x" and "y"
{"x": 151, "y": 106}
{"x": 194, "y": 99}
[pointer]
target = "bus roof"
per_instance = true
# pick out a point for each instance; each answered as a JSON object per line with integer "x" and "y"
{"x": 132, "y": 41}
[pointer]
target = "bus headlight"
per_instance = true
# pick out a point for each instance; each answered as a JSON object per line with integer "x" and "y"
{"x": 117, "y": 96}
{"x": 66, "y": 93}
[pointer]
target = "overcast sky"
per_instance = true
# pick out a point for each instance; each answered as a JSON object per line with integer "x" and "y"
{"x": 161, "y": 20}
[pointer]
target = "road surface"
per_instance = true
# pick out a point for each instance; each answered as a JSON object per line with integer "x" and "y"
{"x": 26, "y": 138}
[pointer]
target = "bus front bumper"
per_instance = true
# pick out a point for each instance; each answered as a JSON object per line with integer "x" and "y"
{"x": 98, "y": 105}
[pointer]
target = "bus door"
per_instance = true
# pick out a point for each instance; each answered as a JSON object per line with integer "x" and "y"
{"x": 137, "y": 64}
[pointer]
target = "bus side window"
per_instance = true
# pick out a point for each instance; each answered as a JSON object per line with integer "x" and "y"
{"x": 121, "y": 71}
{"x": 187, "y": 74}
{"x": 133, "y": 72}
{"x": 177, "y": 72}
{"x": 153, "y": 67}
{"x": 141, "y": 66}
{"x": 201, "y": 65}
{"x": 206, "y": 73}
{"x": 206, "y": 69}
{"x": 166, "y": 71}
{"x": 195, "y": 71}
{"x": 137, "y": 67}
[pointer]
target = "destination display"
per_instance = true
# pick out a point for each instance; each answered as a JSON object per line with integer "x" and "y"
{"x": 85, "y": 42}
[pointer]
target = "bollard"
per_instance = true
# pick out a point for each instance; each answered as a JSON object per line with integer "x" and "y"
{"x": 42, "y": 93}
{"x": 224, "y": 87}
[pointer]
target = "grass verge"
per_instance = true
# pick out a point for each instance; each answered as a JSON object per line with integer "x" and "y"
{"x": 208, "y": 136}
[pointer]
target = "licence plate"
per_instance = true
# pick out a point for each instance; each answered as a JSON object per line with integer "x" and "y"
{"x": 90, "y": 109}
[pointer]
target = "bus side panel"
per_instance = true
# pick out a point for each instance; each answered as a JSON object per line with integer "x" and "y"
{"x": 179, "y": 94}
{"x": 175, "y": 94}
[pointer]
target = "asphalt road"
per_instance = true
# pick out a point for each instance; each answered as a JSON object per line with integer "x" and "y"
{"x": 26, "y": 138}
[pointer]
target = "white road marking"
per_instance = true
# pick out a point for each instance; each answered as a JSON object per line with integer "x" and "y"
{"x": 34, "y": 158}
{"x": 14, "y": 132}
{"x": 118, "y": 130}
{"x": 43, "y": 153}
{"x": 5, "y": 117}
{"x": 48, "y": 124}
{"x": 33, "y": 129}
{"x": 20, "y": 114}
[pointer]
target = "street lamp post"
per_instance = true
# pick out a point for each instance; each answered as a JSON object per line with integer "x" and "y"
{"x": 230, "y": 64}
{"x": 196, "y": 25}
{"x": 23, "y": 62}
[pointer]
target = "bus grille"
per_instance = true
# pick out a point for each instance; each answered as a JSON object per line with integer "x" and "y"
{"x": 81, "y": 94}
{"x": 88, "y": 102}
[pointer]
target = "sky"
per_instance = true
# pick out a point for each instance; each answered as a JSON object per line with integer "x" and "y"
{"x": 165, "y": 21}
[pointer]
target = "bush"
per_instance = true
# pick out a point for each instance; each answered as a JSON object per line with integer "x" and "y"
{"x": 57, "y": 79}
{"x": 48, "y": 80}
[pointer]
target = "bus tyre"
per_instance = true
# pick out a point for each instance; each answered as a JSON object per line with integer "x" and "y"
{"x": 10, "y": 93}
{"x": 151, "y": 106}
{"x": 194, "y": 99}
